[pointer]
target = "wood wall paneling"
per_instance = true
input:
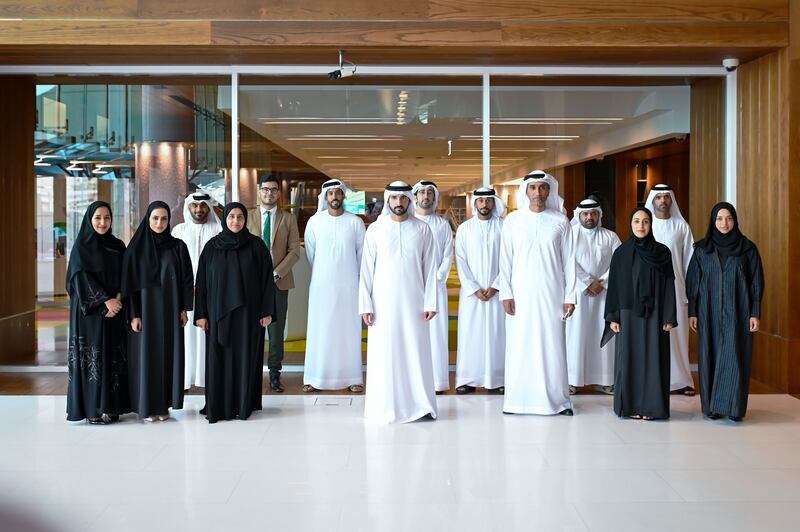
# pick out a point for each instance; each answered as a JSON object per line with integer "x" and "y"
{"x": 706, "y": 151}
{"x": 403, "y": 34}
{"x": 355, "y": 33}
{"x": 626, "y": 200}
{"x": 517, "y": 32}
{"x": 764, "y": 199}
{"x": 282, "y": 10}
{"x": 550, "y": 11}
{"x": 653, "y": 34}
{"x": 17, "y": 220}
{"x": 793, "y": 192}
{"x": 69, "y": 9}
{"x": 105, "y": 32}
{"x": 573, "y": 186}
{"x": 641, "y": 10}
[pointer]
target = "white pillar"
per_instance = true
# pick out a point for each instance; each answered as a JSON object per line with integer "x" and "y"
{"x": 487, "y": 161}
{"x": 731, "y": 135}
{"x": 234, "y": 136}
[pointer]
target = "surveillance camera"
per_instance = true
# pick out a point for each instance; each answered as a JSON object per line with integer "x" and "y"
{"x": 344, "y": 72}
{"x": 730, "y": 64}
{"x": 346, "y": 68}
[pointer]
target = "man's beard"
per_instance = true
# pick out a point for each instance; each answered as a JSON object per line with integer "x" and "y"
{"x": 335, "y": 204}
{"x": 198, "y": 216}
{"x": 589, "y": 224}
{"x": 399, "y": 210}
{"x": 484, "y": 211}
{"x": 425, "y": 204}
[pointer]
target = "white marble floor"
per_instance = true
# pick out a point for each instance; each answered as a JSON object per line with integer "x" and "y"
{"x": 312, "y": 464}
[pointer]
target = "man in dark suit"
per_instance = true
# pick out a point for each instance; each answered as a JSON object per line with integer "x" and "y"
{"x": 278, "y": 230}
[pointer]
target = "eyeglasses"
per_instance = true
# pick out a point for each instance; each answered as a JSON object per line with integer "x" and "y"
{"x": 269, "y": 190}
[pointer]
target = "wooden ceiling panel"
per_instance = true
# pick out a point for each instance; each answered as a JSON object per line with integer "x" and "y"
{"x": 282, "y": 10}
{"x": 652, "y": 35}
{"x": 613, "y": 10}
{"x": 550, "y": 11}
{"x": 104, "y": 32}
{"x": 69, "y": 9}
{"x": 355, "y": 33}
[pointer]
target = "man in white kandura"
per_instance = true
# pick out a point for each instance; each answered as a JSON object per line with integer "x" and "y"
{"x": 670, "y": 229}
{"x": 333, "y": 242}
{"x": 537, "y": 288}
{"x": 200, "y": 224}
{"x": 397, "y": 301}
{"x": 481, "y": 319}
{"x": 426, "y": 195}
{"x": 589, "y": 363}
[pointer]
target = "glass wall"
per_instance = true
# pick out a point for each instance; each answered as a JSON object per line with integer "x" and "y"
{"x": 130, "y": 141}
{"x": 127, "y": 144}
{"x": 597, "y": 137}
{"x": 368, "y": 132}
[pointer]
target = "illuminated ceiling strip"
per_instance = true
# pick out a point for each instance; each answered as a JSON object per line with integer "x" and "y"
{"x": 523, "y": 137}
{"x": 392, "y": 122}
{"x": 558, "y": 119}
{"x": 552, "y": 123}
{"x": 355, "y": 149}
{"x": 347, "y": 139}
{"x": 352, "y": 136}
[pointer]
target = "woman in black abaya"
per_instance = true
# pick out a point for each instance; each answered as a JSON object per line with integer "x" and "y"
{"x": 234, "y": 302}
{"x": 724, "y": 285}
{"x": 640, "y": 310}
{"x": 157, "y": 282}
{"x": 98, "y": 388}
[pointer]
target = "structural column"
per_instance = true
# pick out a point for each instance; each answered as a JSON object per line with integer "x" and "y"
{"x": 17, "y": 220}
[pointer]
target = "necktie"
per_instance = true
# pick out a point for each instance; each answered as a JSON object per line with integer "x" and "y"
{"x": 267, "y": 232}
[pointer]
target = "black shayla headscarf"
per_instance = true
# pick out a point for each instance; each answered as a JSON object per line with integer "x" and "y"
{"x": 141, "y": 266}
{"x": 229, "y": 281}
{"x": 93, "y": 252}
{"x": 731, "y": 244}
{"x": 653, "y": 259}
{"x": 227, "y": 239}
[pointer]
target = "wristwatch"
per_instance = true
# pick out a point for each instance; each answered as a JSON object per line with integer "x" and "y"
{"x": 276, "y": 276}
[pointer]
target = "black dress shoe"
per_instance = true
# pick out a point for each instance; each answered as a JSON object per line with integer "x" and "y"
{"x": 566, "y": 412}
{"x": 275, "y": 383}
{"x": 714, "y": 416}
{"x": 737, "y": 419}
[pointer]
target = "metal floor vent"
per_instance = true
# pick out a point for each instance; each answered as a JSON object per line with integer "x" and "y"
{"x": 333, "y": 401}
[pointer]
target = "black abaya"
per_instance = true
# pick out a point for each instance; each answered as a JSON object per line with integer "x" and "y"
{"x": 156, "y": 353}
{"x": 96, "y": 361}
{"x": 724, "y": 288}
{"x": 641, "y": 298}
{"x": 235, "y": 289}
